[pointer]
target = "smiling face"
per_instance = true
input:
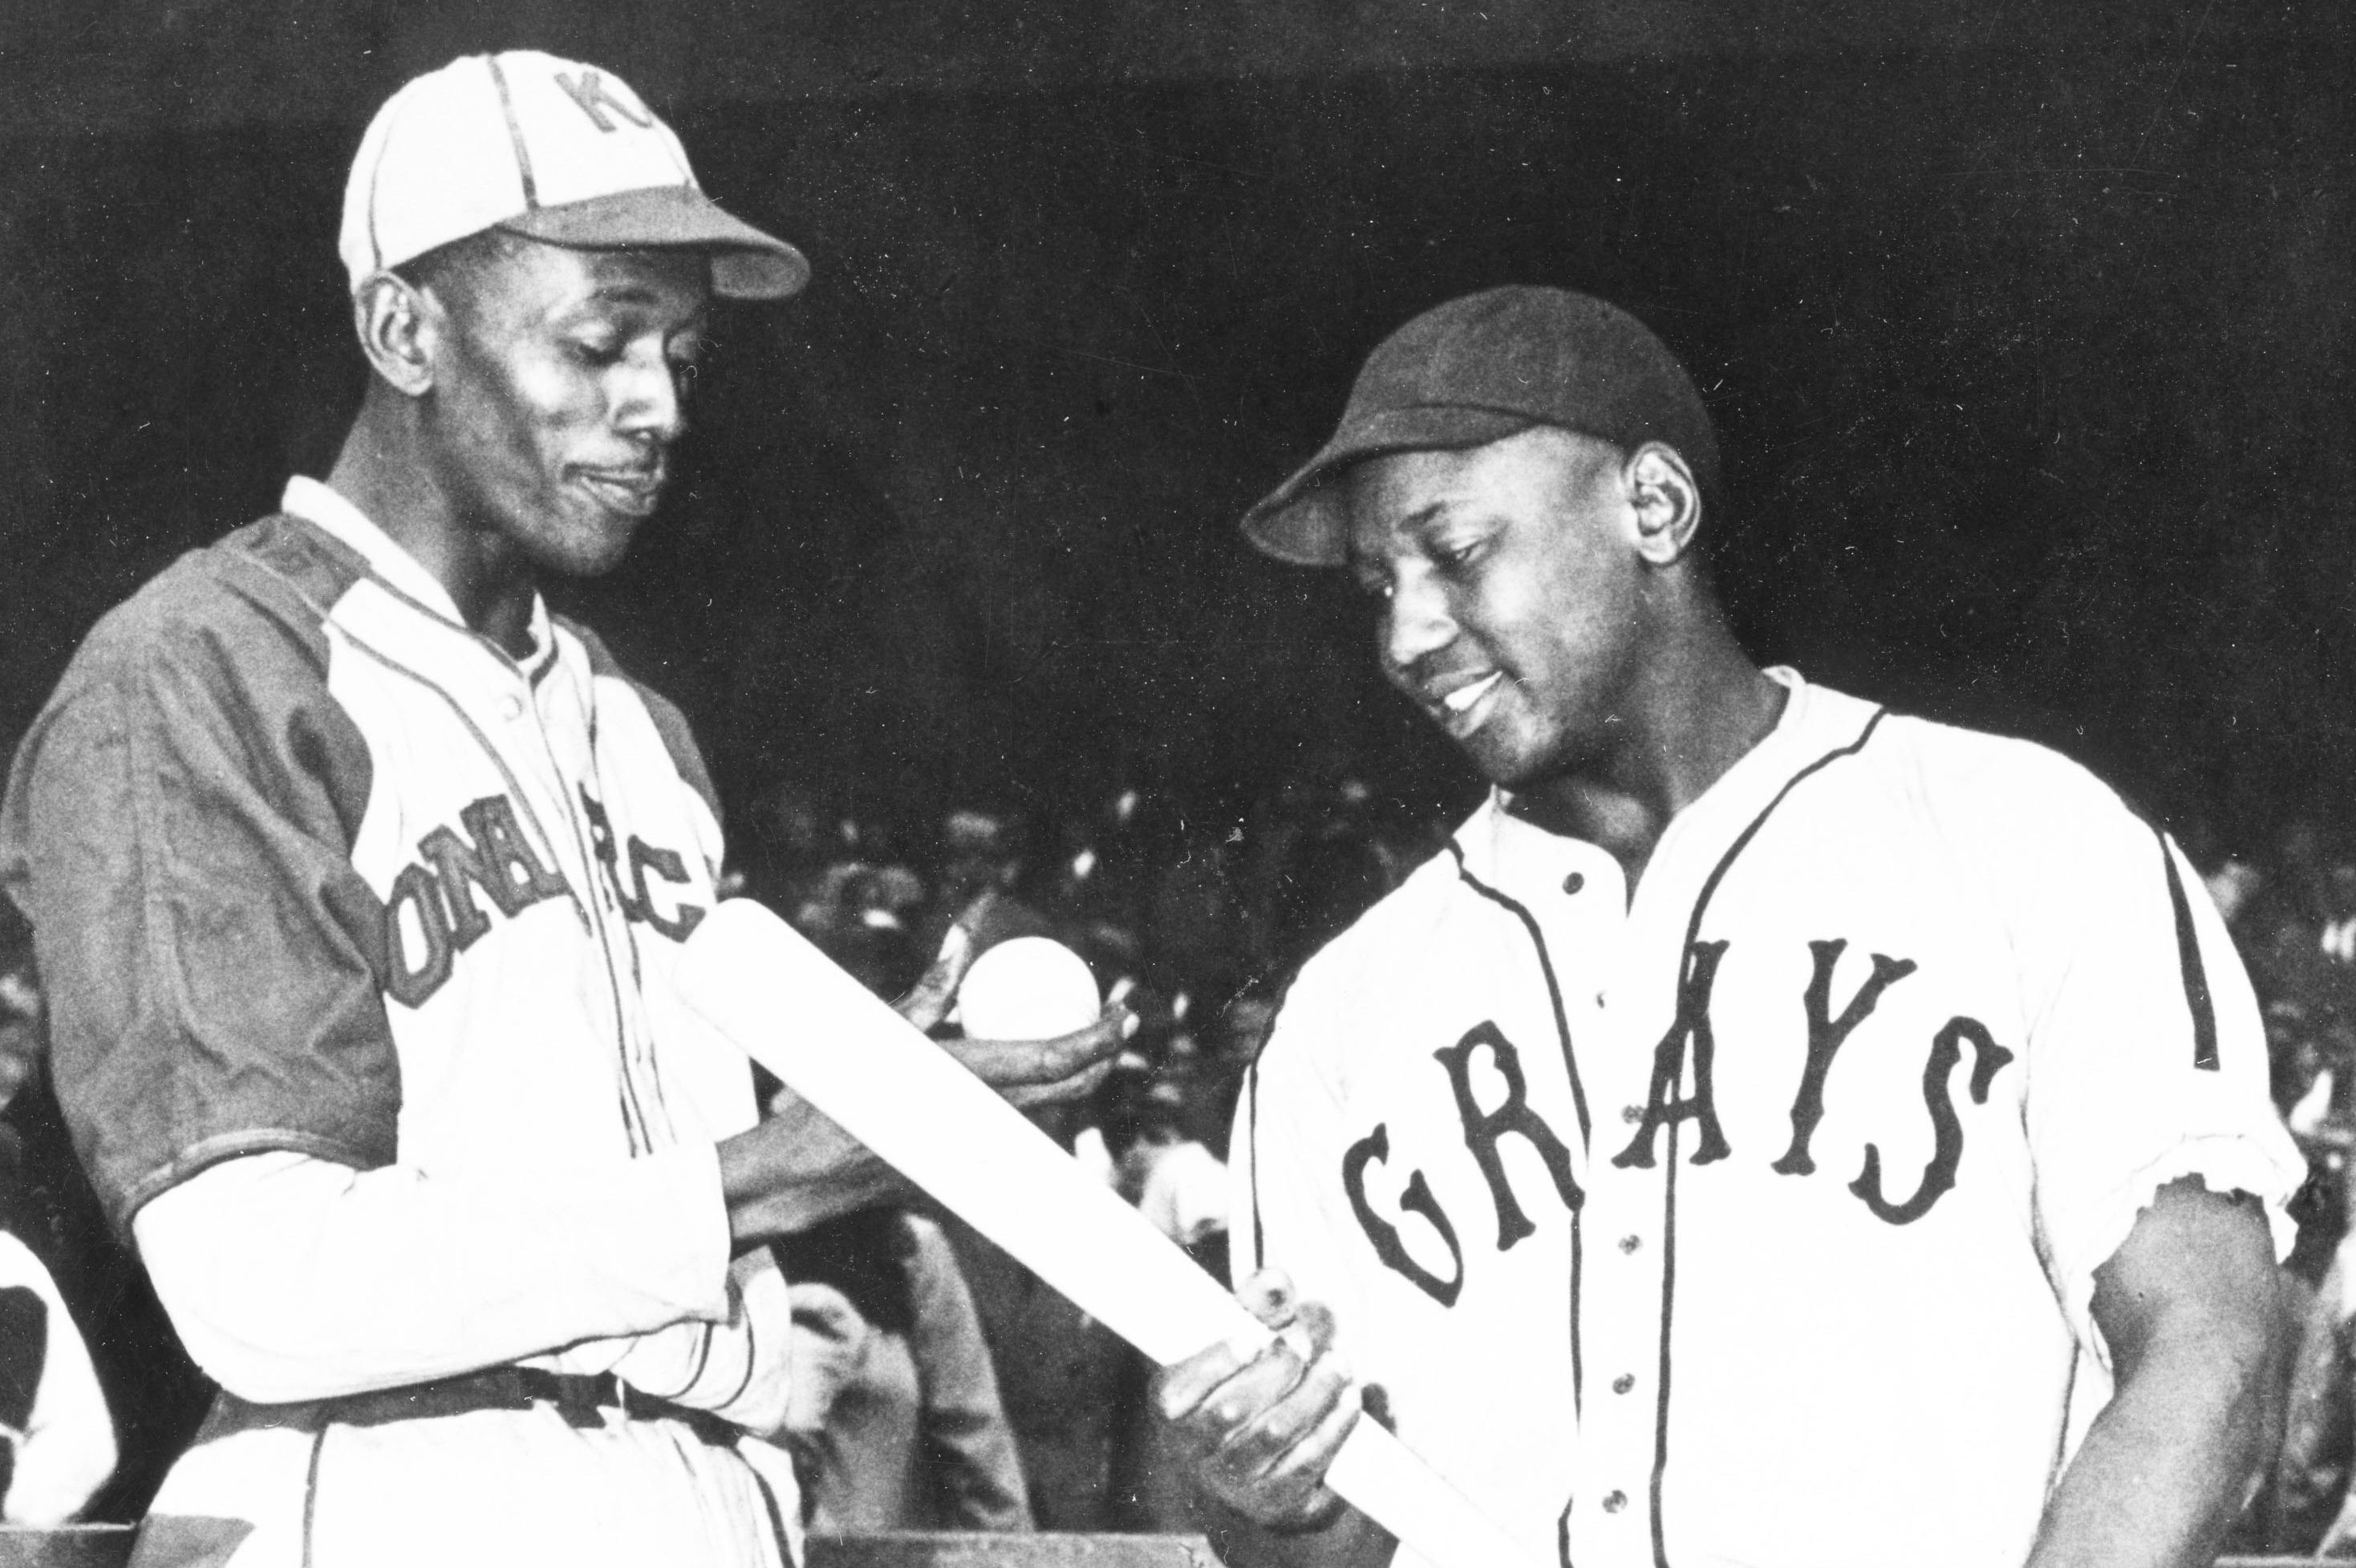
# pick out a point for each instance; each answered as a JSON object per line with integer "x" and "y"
{"x": 1512, "y": 595}
{"x": 559, "y": 381}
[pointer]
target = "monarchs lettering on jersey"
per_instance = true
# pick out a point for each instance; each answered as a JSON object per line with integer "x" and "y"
{"x": 432, "y": 914}
{"x": 630, "y": 889}
{"x": 498, "y": 859}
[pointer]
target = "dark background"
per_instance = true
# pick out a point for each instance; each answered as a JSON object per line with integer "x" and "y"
{"x": 2025, "y": 324}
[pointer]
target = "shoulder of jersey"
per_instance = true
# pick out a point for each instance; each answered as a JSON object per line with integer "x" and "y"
{"x": 269, "y": 580}
{"x": 2001, "y": 799}
{"x": 669, "y": 721}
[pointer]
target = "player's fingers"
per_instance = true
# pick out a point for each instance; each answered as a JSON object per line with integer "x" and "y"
{"x": 1258, "y": 1448}
{"x": 1077, "y": 1087}
{"x": 1290, "y": 1491}
{"x": 1179, "y": 1390}
{"x": 1311, "y": 1328}
{"x": 1239, "y": 1411}
{"x": 824, "y": 1310}
{"x": 1268, "y": 1295}
{"x": 1004, "y": 1063}
{"x": 928, "y": 1002}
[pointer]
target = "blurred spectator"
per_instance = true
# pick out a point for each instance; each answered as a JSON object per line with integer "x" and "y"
{"x": 1065, "y": 1383}
{"x": 2310, "y": 1512}
{"x": 57, "y": 1439}
{"x": 2300, "y": 927}
{"x": 1172, "y": 1178}
{"x": 2233, "y": 886}
{"x": 111, "y": 1413}
{"x": 895, "y": 1421}
{"x": 982, "y": 853}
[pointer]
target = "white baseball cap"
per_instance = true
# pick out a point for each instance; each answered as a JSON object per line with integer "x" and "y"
{"x": 548, "y": 148}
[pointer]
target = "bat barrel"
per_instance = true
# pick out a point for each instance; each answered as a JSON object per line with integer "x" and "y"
{"x": 787, "y": 1006}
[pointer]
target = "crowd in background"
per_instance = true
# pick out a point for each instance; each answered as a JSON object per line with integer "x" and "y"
{"x": 2292, "y": 909}
{"x": 939, "y": 1384}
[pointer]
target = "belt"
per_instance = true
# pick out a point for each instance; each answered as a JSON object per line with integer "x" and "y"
{"x": 581, "y": 1399}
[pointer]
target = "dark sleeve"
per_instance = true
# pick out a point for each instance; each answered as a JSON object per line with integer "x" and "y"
{"x": 968, "y": 1447}
{"x": 178, "y": 829}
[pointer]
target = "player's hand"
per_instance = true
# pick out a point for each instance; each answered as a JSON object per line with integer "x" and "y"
{"x": 1038, "y": 1071}
{"x": 827, "y": 1348}
{"x": 929, "y": 1002}
{"x": 1025, "y": 1071}
{"x": 1259, "y": 1431}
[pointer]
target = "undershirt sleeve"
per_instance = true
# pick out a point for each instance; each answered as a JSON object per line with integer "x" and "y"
{"x": 294, "y": 1278}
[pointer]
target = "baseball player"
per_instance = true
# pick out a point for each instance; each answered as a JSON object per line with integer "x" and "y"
{"x": 359, "y": 884}
{"x": 1777, "y": 1130}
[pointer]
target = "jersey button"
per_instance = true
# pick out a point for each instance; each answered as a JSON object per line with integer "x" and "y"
{"x": 1632, "y": 1114}
{"x": 1622, "y": 1383}
{"x": 511, "y": 707}
{"x": 1630, "y": 1243}
{"x": 1573, "y": 882}
{"x": 1614, "y": 1501}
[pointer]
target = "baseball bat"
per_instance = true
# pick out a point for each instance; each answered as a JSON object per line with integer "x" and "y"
{"x": 788, "y": 1007}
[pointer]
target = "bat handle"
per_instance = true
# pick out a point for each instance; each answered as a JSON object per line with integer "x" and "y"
{"x": 1386, "y": 1480}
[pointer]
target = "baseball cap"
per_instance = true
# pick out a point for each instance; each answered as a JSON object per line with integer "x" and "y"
{"x": 546, "y": 148}
{"x": 1477, "y": 369}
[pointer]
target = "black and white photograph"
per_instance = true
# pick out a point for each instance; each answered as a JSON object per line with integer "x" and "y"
{"x": 1241, "y": 783}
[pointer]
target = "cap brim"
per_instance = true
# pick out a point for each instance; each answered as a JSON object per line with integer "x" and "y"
{"x": 1306, "y": 520}
{"x": 746, "y": 264}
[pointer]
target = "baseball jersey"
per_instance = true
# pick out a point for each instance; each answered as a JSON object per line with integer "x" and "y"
{"x": 317, "y": 871}
{"x": 1753, "y": 1219}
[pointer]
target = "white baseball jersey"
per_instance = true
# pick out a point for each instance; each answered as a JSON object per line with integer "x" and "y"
{"x": 325, "y": 883}
{"x": 1754, "y": 1220}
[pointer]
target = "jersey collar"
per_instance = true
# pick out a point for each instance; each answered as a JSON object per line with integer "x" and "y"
{"x": 1502, "y": 848}
{"x": 315, "y": 503}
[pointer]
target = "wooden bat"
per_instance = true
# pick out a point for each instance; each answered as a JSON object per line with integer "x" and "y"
{"x": 788, "y": 1008}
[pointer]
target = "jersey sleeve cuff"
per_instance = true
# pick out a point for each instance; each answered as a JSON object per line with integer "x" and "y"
{"x": 671, "y": 1215}
{"x": 2224, "y": 1163}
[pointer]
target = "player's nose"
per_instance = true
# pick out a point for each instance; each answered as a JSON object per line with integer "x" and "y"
{"x": 650, "y": 403}
{"x": 1416, "y": 622}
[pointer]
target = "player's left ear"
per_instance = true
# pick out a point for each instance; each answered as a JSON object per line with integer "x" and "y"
{"x": 396, "y": 331}
{"x": 1666, "y": 500}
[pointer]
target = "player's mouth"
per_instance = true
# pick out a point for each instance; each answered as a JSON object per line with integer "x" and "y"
{"x": 1464, "y": 708}
{"x": 634, "y": 492}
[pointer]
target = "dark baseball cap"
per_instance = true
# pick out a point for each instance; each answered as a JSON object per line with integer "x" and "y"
{"x": 1478, "y": 369}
